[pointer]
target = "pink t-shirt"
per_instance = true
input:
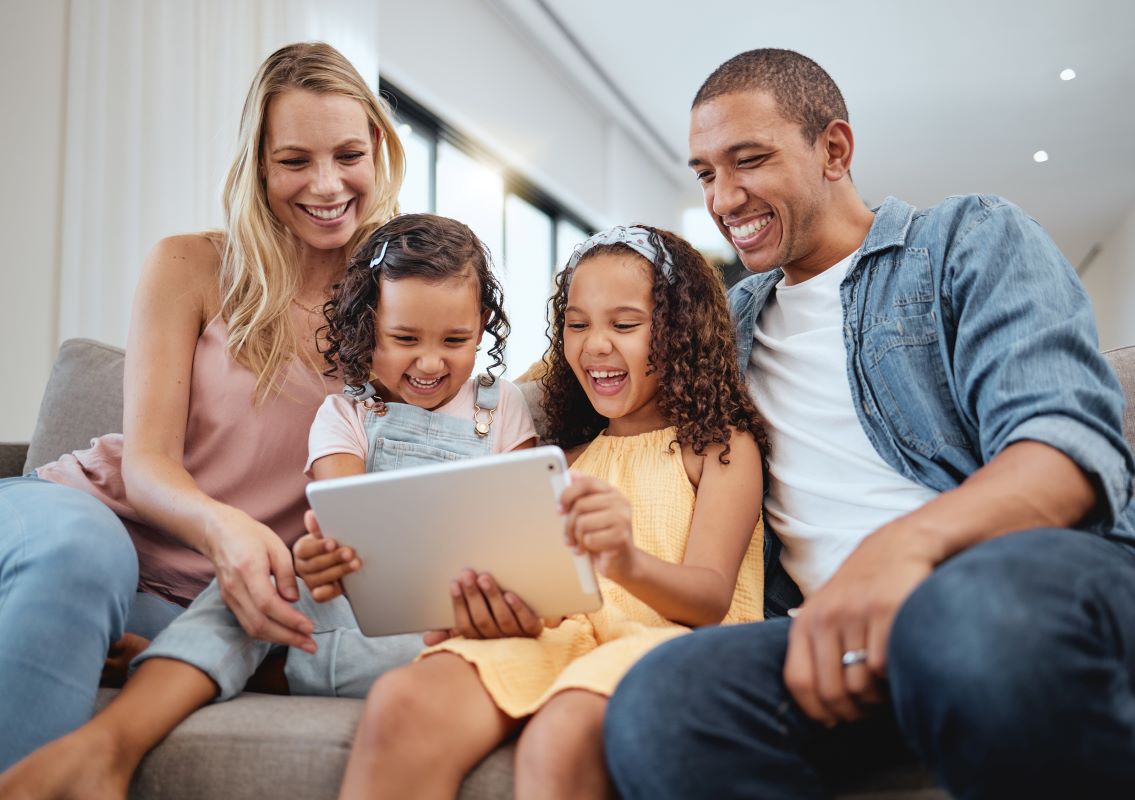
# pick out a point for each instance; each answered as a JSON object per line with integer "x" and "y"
{"x": 338, "y": 426}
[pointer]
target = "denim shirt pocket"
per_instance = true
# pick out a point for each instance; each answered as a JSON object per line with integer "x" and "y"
{"x": 393, "y": 454}
{"x": 902, "y": 351}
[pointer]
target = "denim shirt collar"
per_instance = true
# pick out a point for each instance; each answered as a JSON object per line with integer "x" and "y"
{"x": 891, "y": 225}
{"x": 889, "y": 229}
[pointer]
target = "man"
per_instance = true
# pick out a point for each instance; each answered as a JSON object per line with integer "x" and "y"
{"x": 948, "y": 479}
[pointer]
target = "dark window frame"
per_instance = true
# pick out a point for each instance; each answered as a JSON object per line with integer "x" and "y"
{"x": 435, "y": 129}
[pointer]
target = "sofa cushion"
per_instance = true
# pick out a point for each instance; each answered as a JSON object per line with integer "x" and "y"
{"x": 83, "y": 400}
{"x": 259, "y": 745}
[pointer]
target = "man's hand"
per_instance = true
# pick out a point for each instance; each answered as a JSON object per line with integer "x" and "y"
{"x": 853, "y": 612}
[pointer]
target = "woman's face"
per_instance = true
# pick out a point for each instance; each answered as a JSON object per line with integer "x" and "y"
{"x": 318, "y": 164}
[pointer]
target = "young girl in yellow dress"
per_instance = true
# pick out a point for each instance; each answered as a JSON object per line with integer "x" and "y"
{"x": 644, "y": 393}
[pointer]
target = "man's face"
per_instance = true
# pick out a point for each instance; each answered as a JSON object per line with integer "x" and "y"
{"x": 764, "y": 185}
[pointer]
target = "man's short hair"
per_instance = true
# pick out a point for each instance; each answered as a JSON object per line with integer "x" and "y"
{"x": 805, "y": 93}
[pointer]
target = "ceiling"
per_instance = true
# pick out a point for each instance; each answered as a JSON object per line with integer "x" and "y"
{"x": 944, "y": 98}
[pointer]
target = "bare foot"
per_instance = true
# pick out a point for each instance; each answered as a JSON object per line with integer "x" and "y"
{"x": 117, "y": 665}
{"x": 80, "y": 766}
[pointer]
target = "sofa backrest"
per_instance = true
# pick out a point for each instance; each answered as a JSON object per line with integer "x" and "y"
{"x": 82, "y": 401}
{"x": 83, "y": 398}
{"x": 1122, "y": 360}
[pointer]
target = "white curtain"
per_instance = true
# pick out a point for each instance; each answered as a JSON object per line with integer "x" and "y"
{"x": 153, "y": 100}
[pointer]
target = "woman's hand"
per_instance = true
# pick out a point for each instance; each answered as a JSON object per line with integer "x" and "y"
{"x": 248, "y": 557}
{"x": 482, "y": 611}
{"x": 321, "y": 562}
{"x": 598, "y": 521}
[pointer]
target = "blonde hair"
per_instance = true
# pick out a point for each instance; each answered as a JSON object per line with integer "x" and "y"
{"x": 259, "y": 265}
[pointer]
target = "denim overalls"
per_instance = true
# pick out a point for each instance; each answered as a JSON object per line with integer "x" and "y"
{"x": 408, "y": 436}
{"x": 346, "y": 663}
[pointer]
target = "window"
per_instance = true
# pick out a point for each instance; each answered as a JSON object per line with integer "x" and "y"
{"x": 529, "y": 233}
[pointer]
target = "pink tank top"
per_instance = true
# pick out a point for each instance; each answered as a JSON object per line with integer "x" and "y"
{"x": 246, "y": 455}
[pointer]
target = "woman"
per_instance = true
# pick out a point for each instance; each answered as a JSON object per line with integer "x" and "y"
{"x": 222, "y": 383}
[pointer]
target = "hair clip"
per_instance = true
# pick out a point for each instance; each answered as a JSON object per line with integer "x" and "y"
{"x": 374, "y": 262}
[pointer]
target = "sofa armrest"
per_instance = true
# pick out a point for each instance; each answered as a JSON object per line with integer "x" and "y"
{"x": 12, "y": 456}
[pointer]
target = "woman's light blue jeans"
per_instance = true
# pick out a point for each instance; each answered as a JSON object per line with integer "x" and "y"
{"x": 68, "y": 576}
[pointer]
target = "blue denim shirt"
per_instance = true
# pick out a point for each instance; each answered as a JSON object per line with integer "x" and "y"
{"x": 967, "y": 330}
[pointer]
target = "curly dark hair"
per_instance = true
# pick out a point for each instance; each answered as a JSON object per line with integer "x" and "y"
{"x": 417, "y": 246}
{"x": 700, "y": 386}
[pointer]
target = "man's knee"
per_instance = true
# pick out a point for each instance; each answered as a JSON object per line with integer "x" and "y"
{"x": 988, "y": 640}
{"x": 996, "y": 656}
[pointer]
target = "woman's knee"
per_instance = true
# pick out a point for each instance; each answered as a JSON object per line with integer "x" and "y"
{"x": 69, "y": 537}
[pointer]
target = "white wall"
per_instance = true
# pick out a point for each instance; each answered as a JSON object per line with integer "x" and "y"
{"x": 468, "y": 63}
{"x": 1110, "y": 280}
{"x": 120, "y": 118}
{"x": 33, "y": 46}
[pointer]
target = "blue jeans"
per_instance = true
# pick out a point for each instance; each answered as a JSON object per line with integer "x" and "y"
{"x": 68, "y": 574}
{"x": 1011, "y": 674}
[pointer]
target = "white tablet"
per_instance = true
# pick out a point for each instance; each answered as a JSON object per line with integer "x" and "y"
{"x": 416, "y": 529}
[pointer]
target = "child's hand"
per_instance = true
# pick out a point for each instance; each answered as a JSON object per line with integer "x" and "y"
{"x": 483, "y": 611}
{"x": 321, "y": 562}
{"x": 598, "y": 521}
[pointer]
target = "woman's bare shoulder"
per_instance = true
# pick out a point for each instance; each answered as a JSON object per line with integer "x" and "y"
{"x": 186, "y": 265}
{"x": 196, "y": 252}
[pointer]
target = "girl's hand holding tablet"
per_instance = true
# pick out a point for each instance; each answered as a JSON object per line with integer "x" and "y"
{"x": 598, "y": 521}
{"x": 321, "y": 562}
{"x": 483, "y": 610}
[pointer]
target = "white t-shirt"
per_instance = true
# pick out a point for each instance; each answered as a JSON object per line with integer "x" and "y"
{"x": 829, "y": 488}
{"x": 338, "y": 425}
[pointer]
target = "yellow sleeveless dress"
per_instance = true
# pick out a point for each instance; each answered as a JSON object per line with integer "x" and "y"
{"x": 594, "y": 651}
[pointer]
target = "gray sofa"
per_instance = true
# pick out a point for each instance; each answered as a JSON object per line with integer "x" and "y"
{"x": 264, "y": 745}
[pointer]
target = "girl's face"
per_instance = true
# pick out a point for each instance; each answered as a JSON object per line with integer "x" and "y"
{"x": 607, "y": 332}
{"x": 319, "y": 165}
{"x": 426, "y": 337}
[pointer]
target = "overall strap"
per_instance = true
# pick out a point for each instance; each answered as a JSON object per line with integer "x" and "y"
{"x": 485, "y": 403}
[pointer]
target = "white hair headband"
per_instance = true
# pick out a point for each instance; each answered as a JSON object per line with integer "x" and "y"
{"x": 634, "y": 237}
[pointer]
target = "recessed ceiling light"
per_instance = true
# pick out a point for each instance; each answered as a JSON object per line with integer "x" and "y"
{"x": 1040, "y": 156}
{"x": 1067, "y": 74}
